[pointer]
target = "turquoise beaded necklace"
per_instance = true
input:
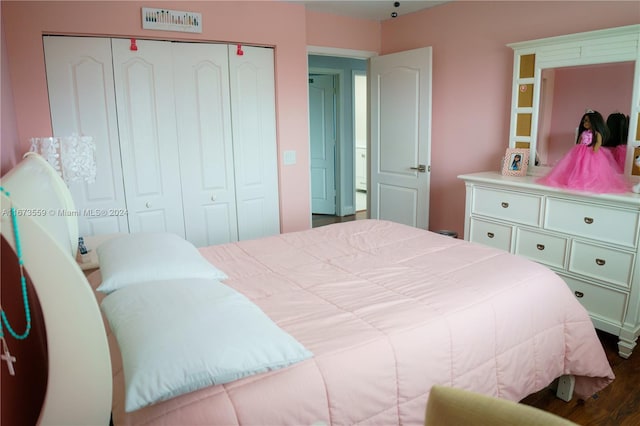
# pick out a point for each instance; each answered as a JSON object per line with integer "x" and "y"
{"x": 25, "y": 300}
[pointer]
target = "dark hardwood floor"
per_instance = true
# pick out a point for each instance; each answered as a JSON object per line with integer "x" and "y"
{"x": 616, "y": 405}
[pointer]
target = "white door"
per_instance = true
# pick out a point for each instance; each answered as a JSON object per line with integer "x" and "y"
{"x": 322, "y": 135}
{"x": 147, "y": 129}
{"x": 253, "y": 118}
{"x": 400, "y": 94}
{"x": 82, "y": 101}
{"x": 203, "y": 115}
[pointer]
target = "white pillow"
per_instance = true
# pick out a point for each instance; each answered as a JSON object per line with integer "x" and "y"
{"x": 147, "y": 256}
{"x": 181, "y": 335}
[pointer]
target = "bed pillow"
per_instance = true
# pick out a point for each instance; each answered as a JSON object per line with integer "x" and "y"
{"x": 147, "y": 256}
{"x": 178, "y": 336}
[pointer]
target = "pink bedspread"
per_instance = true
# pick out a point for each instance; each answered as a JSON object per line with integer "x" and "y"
{"x": 389, "y": 311}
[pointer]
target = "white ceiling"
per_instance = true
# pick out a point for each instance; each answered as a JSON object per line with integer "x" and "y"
{"x": 376, "y": 10}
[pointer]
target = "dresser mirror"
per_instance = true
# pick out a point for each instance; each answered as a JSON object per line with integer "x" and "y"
{"x": 555, "y": 80}
{"x": 565, "y": 94}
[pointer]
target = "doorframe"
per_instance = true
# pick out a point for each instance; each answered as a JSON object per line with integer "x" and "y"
{"x": 341, "y": 208}
{"x": 355, "y": 73}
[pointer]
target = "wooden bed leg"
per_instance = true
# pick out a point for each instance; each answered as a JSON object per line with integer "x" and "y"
{"x": 565, "y": 387}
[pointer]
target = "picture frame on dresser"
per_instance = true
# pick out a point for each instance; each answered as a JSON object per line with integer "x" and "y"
{"x": 515, "y": 162}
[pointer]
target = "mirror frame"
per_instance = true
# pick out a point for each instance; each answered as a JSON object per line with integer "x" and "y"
{"x": 611, "y": 45}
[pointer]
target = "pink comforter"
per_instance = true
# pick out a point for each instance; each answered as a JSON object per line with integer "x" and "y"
{"x": 389, "y": 311}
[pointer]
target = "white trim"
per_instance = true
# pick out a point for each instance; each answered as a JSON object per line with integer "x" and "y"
{"x": 577, "y": 37}
{"x": 336, "y": 51}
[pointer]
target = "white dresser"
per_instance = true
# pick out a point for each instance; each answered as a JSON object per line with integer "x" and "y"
{"x": 591, "y": 241}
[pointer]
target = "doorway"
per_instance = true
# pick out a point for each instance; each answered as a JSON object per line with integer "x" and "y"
{"x": 347, "y": 125}
{"x": 400, "y": 141}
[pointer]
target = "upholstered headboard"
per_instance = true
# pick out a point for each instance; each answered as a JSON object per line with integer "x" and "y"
{"x": 79, "y": 387}
{"x": 38, "y": 188}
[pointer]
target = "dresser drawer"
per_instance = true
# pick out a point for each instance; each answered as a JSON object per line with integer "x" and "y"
{"x": 601, "y": 263}
{"x": 602, "y": 302}
{"x": 512, "y": 206}
{"x": 490, "y": 234}
{"x": 547, "y": 249}
{"x": 617, "y": 226}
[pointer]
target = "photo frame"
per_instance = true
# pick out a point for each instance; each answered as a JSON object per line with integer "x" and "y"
{"x": 515, "y": 162}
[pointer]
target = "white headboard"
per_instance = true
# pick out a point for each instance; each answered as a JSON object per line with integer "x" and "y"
{"x": 79, "y": 387}
{"x": 36, "y": 186}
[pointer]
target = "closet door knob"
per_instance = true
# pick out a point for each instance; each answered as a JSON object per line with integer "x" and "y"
{"x": 504, "y": 205}
{"x": 213, "y": 198}
{"x": 588, "y": 220}
{"x": 148, "y": 204}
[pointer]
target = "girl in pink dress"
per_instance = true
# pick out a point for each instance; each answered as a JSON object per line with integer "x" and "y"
{"x": 587, "y": 167}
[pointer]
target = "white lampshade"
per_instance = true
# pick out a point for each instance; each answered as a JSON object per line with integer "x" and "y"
{"x": 73, "y": 157}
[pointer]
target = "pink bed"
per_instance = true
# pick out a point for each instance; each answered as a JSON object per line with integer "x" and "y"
{"x": 388, "y": 311}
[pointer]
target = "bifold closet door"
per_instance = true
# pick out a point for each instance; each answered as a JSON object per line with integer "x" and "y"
{"x": 82, "y": 101}
{"x": 204, "y": 139}
{"x": 145, "y": 103}
{"x": 253, "y": 117}
{"x": 225, "y": 108}
{"x": 192, "y": 148}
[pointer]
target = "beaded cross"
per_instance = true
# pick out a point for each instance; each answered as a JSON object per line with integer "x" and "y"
{"x": 6, "y": 355}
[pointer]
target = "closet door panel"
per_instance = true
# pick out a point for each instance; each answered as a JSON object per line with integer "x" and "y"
{"x": 150, "y": 220}
{"x": 204, "y": 138}
{"x": 82, "y": 101}
{"x": 254, "y": 141}
{"x": 147, "y": 124}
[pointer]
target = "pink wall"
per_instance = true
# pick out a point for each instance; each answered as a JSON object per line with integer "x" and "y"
{"x": 279, "y": 24}
{"x": 8, "y": 133}
{"x": 472, "y": 69}
{"x": 276, "y": 24}
{"x": 345, "y": 33}
{"x": 471, "y": 72}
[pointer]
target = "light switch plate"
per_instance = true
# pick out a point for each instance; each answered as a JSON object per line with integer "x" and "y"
{"x": 289, "y": 158}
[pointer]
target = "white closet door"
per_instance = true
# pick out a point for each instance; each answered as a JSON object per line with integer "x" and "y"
{"x": 204, "y": 138}
{"x": 254, "y": 141}
{"x": 147, "y": 124}
{"x": 82, "y": 101}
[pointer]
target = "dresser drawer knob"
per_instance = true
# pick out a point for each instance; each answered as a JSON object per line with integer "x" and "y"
{"x": 588, "y": 220}
{"x": 540, "y": 247}
{"x": 504, "y": 205}
{"x": 490, "y": 234}
{"x": 600, "y": 262}
{"x": 578, "y": 294}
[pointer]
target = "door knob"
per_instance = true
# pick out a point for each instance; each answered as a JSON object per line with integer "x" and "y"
{"x": 148, "y": 204}
{"x": 421, "y": 168}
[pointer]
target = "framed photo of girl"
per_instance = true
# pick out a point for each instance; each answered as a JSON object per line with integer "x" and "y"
{"x": 515, "y": 162}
